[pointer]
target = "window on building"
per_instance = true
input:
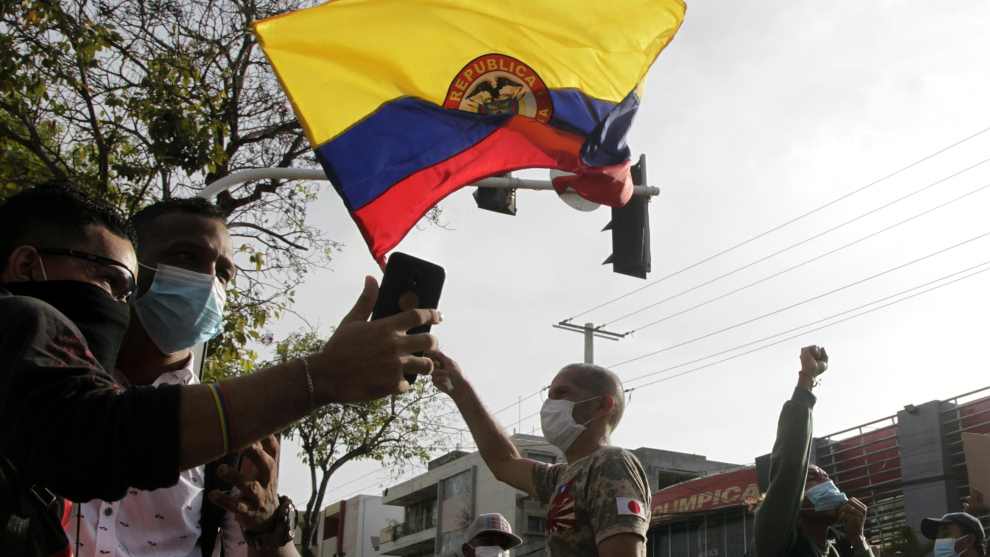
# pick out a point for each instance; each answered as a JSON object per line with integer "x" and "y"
{"x": 543, "y": 457}
{"x": 330, "y": 526}
{"x": 714, "y": 536}
{"x": 536, "y": 524}
{"x": 696, "y": 538}
{"x": 658, "y": 541}
{"x": 420, "y": 516}
{"x": 457, "y": 485}
{"x": 735, "y": 534}
{"x": 679, "y": 540}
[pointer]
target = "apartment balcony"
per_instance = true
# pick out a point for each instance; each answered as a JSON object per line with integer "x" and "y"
{"x": 411, "y": 537}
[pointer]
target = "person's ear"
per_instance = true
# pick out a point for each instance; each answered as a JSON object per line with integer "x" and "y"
{"x": 23, "y": 265}
{"x": 608, "y": 403}
{"x": 467, "y": 550}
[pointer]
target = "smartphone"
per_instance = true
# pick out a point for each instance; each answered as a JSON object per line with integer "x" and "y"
{"x": 409, "y": 283}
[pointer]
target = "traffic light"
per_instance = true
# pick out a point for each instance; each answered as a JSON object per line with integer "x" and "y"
{"x": 630, "y": 226}
{"x": 499, "y": 200}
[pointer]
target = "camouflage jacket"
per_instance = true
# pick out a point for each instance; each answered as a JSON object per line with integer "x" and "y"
{"x": 599, "y": 496}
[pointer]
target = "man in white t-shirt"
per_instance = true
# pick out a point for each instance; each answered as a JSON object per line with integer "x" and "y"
{"x": 186, "y": 259}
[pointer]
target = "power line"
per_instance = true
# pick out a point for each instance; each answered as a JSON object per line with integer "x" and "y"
{"x": 795, "y": 336}
{"x": 379, "y": 469}
{"x": 812, "y": 260}
{"x": 806, "y": 324}
{"x": 792, "y": 221}
{"x": 760, "y": 348}
{"x": 861, "y": 281}
{"x": 802, "y": 242}
{"x": 629, "y": 390}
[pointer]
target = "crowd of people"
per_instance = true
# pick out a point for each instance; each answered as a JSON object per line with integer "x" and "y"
{"x": 110, "y": 445}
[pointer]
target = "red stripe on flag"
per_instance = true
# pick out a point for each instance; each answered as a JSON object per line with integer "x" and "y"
{"x": 520, "y": 143}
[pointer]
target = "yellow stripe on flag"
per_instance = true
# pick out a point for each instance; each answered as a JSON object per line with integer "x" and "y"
{"x": 340, "y": 61}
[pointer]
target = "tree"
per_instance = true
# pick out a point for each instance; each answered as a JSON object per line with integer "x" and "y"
{"x": 142, "y": 100}
{"x": 396, "y": 431}
{"x": 906, "y": 544}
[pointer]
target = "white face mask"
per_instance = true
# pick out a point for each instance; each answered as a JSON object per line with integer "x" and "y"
{"x": 557, "y": 420}
{"x": 488, "y": 551}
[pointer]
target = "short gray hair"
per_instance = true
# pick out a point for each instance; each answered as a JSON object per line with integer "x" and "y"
{"x": 602, "y": 381}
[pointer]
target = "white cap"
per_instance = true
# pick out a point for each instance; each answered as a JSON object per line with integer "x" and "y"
{"x": 494, "y": 523}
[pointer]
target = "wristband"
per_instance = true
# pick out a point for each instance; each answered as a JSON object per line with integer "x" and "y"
{"x": 814, "y": 380}
{"x": 226, "y": 418}
{"x": 309, "y": 385}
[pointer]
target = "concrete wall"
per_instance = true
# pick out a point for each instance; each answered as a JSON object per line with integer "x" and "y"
{"x": 655, "y": 461}
{"x": 372, "y": 516}
{"x": 364, "y": 516}
{"x": 926, "y": 469}
{"x": 488, "y": 496}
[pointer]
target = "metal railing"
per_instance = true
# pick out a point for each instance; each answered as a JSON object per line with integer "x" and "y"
{"x": 414, "y": 525}
{"x": 865, "y": 462}
{"x": 959, "y": 415}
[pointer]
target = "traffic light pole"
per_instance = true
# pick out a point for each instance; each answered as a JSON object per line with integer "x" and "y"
{"x": 315, "y": 174}
{"x": 630, "y": 224}
{"x": 590, "y": 332}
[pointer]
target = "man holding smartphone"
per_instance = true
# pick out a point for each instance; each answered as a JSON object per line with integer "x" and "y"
{"x": 600, "y": 500}
{"x": 66, "y": 282}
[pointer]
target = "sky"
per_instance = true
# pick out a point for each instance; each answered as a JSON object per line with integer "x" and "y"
{"x": 757, "y": 113}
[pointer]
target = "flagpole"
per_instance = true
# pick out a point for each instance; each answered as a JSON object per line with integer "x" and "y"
{"x": 315, "y": 174}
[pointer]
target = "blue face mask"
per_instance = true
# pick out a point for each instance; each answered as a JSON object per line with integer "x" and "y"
{"x": 826, "y": 497}
{"x": 181, "y": 309}
{"x": 946, "y": 547}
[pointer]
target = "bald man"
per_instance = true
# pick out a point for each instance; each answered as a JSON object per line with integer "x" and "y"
{"x": 600, "y": 500}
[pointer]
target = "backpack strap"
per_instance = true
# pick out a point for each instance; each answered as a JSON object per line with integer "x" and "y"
{"x": 211, "y": 516}
{"x": 21, "y": 508}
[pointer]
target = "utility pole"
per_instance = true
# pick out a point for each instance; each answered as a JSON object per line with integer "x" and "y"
{"x": 590, "y": 332}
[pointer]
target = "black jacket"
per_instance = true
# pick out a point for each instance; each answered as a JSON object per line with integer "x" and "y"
{"x": 65, "y": 424}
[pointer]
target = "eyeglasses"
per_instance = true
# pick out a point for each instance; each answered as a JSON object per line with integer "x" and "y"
{"x": 114, "y": 275}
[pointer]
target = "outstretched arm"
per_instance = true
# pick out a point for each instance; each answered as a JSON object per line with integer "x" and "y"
{"x": 58, "y": 401}
{"x": 496, "y": 448}
{"x": 774, "y": 531}
{"x": 363, "y": 360}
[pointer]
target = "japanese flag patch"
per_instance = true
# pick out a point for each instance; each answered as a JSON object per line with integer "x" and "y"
{"x": 630, "y": 506}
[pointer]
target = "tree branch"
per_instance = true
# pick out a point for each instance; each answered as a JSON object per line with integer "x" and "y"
{"x": 267, "y": 231}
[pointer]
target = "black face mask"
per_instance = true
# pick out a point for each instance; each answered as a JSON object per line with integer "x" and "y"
{"x": 101, "y": 319}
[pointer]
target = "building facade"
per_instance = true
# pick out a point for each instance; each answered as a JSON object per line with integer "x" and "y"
{"x": 350, "y": 528}
{"x": 440, "y": 504}
{"x": 906, "y": 467}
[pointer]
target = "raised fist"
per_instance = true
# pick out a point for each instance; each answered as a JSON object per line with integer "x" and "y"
{"x": 814, "y": 360}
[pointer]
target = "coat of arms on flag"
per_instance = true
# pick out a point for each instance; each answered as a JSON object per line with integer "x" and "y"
{"x": 406, "y": 101}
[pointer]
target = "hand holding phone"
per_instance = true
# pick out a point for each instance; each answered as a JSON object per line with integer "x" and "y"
{"x": 409, "y": 283}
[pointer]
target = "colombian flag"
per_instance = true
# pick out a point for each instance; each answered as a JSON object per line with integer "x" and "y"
{"x": 405, "y": 101}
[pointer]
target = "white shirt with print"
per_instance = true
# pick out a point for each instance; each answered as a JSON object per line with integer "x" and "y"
{"x": 160, "y": 523}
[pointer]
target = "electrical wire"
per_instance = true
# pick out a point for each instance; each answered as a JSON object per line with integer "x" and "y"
{"x": 858, "y": 282}
{"x": 799, "y": 265}
{"x": 801, "y": 243}
{"x": 792, "y": 221}
{"x": 665, "y": 370}
{"x": 793, "y": 337}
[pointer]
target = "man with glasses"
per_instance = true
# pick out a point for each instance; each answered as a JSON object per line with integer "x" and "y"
{"x": 185, "y": 256}
{"x": 68, "y": 427}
